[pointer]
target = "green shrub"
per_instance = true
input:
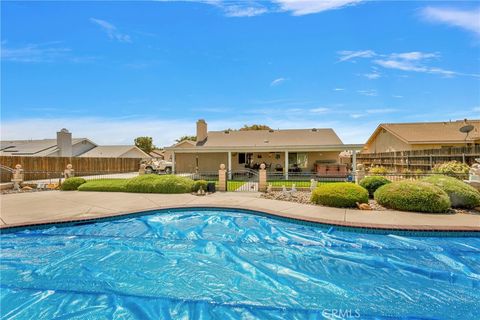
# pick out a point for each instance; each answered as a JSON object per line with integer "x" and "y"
{"x": 415, "y": 196}
{"x": 72, "y": 183}
{"x": 199, "y": 183}
{"x": 461, "y": 194}
{"x": 109, "y": 185}
{"x": 152, "y": 183}
{"x": 452, "y": 168}
{"x": 378, "y": 170}
{"x": 340, "y": 194}
{"x": 372, "y": 183}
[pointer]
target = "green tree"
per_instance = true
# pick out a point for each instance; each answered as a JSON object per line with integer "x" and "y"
{"x": 145, "y": 144}
{"x": 183, "y": 138}
{"x": 255, "y": 127}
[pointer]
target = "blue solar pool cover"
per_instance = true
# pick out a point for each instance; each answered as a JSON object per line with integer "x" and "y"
{"x": 199, "y": 264}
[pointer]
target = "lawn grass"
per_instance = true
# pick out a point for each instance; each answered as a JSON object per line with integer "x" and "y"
{"x": 107, "y": 185}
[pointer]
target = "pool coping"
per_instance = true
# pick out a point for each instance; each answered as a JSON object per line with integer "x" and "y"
{"x": 365, "y": 227}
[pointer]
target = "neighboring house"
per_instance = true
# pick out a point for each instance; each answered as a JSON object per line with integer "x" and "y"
{"x": 390, "y": 137}
{"x": 66, "y": 146}
{"x": 280, "y": 150}
{"x": 115, "y": 152}
{"x": 161, "y": 154}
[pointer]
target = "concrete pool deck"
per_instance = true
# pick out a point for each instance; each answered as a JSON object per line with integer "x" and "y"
{"x": 61, "y": 206}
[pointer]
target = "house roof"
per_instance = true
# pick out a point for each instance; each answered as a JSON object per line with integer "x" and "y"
{"x": 264, "y": 139}
{"x": 430, "y": 132}
{"x": 113, "y": 151}
{"x": 39, "y": 148}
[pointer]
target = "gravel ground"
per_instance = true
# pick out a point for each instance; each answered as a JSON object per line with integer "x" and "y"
{"x": 304, "y": 197}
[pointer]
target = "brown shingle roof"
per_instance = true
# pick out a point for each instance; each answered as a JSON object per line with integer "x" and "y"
{"x": 431, "y": 132}
{"x": 265, "y": 138}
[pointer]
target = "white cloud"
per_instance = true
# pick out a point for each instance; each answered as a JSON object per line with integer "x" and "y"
{"x": 47, "y": 52}
{"x": 465, "y": 19}
{"x": 414, "y": 55}
{"x": 43, "y": 52}
{"x": 303, "y": 7}
{"x": 242, "y": 11}
{"x": 277, "y": 81}
{"x": 111, "y": 30}
{"x": 406, "y": 65}
{"x": 397, "y": 96}
{"x": 319, "y": 110}
{"x": 349, "y": 55}
{"x": 369, "y": 92}
{"x": 414, "y": 61}
{"x": 338, "y": 89}
{"x": 372, "y": 76}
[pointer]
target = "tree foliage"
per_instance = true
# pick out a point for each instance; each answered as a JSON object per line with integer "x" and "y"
{"x": 145, "y": 144}
{"x": 255, "y": 127}
{"x": 183, "y": 138}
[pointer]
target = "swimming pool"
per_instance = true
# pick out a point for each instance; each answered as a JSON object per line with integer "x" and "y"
{"x": 228, "y": 264}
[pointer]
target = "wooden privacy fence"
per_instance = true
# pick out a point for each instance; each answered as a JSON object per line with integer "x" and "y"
{"x": 420, "y": 159}
{"x": 45, "y": 167}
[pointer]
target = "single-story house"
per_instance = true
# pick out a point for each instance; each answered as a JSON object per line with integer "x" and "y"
{"x": 66, "y": 146}
{"x": 119, "y": 151}
{"x": 389, "y": 137}
{"x": 283, "y": 151}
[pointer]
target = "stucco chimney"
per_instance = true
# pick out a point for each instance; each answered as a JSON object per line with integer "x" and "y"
{"x": 64, "y": 143}
{"x": 201, "y": 130}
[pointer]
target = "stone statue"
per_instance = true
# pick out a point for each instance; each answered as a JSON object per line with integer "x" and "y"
{"x": 359, "y": 173}
{"x": 69, "y": 171}
{"x": 269, "y": 188}
{"x": 294, "y": 189}
{"x": 313, "y": 184}
{"x": 474, "y": 172}
{"x": 142, "y": 169}
{"x": 474, "y": 175}
{"x": 17, "y": 177}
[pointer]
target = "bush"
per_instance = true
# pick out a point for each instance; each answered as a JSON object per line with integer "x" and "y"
{"x": 372, "y": 183}
{"x": 416, "y": 196}
{"x": 72, "y": 183}
{"x": 339, "y": 194}
{"x": 378, "y": 170}
{"x": 151, "y": 183}
{"x": 199, "y": 183}
{"x": 452, "y": 168}
{"x": 109, "y": 185}
{"x": 461, "y": 194}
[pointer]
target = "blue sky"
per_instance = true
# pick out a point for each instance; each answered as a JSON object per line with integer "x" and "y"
{"x": 112, "y": 71}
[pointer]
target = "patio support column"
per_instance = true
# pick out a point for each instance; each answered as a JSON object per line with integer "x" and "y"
{"x": 173, "y": 162}
{"x": 286, "y": 165}
{"x": 354, "y": 160}
{"x": 229, "y": 165}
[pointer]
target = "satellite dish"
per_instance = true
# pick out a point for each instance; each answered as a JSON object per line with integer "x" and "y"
{"x": 467, "y": 128}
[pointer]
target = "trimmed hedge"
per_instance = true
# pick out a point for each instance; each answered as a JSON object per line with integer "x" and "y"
{"x": 378, "y": 170}
{"x": 461, "y": 194}
{"x": 415, "y": 196}
{"x": 108, "y": 185}
{"x": 152, "y": 183}
{"x": 452, "y": 168}
{"x": 199, "y": 183}
{"x": 372, "y": 183}
{"x": 339, "y": 194}
{"x": 72, "y": 183}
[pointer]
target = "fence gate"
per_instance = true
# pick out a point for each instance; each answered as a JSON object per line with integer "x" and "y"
{"x": 242, "y": 180}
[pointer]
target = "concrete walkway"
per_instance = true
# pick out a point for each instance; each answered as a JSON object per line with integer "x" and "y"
{"x": 53, "y": 206}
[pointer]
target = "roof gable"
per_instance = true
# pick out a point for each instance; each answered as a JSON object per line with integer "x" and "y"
{"x": 430, "y": 132}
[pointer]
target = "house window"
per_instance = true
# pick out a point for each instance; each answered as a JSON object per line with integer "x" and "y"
{"x": 298, "y": 159}
{"x": 241, "y": 158}
{"x": 245, "y": 158}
